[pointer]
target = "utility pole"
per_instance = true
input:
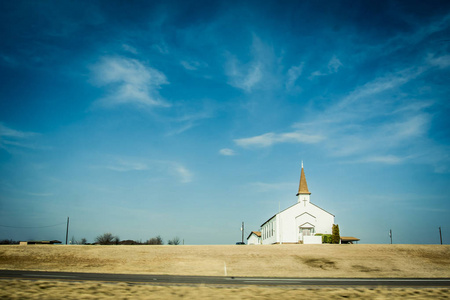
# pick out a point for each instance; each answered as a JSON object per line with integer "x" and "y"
{"x": 242, "y": 229}
{"x": 390, "y": 234}
{"x": 440, "y": 234}
{"x": 67, "y": 229}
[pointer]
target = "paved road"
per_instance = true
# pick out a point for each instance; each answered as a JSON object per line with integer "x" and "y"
{"x": 218, "y": 280}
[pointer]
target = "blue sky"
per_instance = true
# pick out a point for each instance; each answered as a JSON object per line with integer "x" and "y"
{"x": 185, "y": 118}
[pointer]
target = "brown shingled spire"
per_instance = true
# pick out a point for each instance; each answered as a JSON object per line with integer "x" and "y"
{"x": 303, "y": 187}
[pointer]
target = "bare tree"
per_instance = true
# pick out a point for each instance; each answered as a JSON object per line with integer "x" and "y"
{"x": 107, "y": 239}
{"x": 8, "y": 242}
{"x": 83, "y": 241}
{"x": 174, "y": 241}
{"x": 155, "y": 241}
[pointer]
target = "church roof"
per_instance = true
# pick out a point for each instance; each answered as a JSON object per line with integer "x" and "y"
{"x": 271, "y": 218}
{"x": 303, "y": 186}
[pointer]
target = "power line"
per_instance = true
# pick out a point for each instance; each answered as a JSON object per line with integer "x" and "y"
{"x": 32, "y": 226}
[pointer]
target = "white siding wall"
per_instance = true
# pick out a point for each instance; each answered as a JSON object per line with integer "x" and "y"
{"x": 285, "y": 226}
{"x": 302, "y": 197}
{"x": 269, "y": 232}
{"x": 253, "y": 240}
{"x": 293, "y": 217}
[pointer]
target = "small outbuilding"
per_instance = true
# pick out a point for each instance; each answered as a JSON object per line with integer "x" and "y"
{"x": 349, "y": 240}
{"x": 254, "y": 238}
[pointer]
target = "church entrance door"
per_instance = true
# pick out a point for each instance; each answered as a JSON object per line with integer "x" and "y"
{"x": 306, "y": 231}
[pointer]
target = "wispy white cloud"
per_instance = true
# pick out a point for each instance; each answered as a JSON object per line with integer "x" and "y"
{"x": 161, "y": 48}
{"x": 333, "y": 67}
{"x": 439, "y": 61}
{"x": 11, "y": 139}
{"x": 371, "y": 125}
{"x": 381, "y": 84}
{"x": 265, "y": 187}
{"x": 292, "y": 75}
{"x": 269, "y": 139}
{"x": 227, "y": 152}
{"x": 252, "y": 74}
{"x": 385, "y": 159}
{"x": 334, "y": 64}
{"x": 126, "y": 165}
{"x": 7, "y": 132}
{"x": 403, "y": 40}
{"x": 189, "y": 65}
{"x": 364, "y": 143}
{"x": 376, "y": 122}
{"x": 183, "y": 173}
{"x": 244, "y": 76}
{"x": 190, "y": 117}
{"x": 129, "y": 48}
{"x": 412, "y": 127}
{"x": 192, "y": 65}
{"x": 128, "y": 81}
{"x": 413, "y": 107}
{"x": 156, "y": 168}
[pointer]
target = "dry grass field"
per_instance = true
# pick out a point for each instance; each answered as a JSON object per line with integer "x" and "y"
{"x": 42, "y": 289}
{"x": 267, "y": 260}
{"x": 273, "y": 260}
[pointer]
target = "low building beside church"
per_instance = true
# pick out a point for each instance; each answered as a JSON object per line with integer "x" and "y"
{"x": 298, "y": 223}
{"x": 254, "y": 238}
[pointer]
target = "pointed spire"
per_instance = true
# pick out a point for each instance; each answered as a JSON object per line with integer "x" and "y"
{"x": 303, "y": 186}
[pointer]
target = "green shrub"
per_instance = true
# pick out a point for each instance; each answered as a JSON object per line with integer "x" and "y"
{"x": 326, "y": 238}
{"x": 335, "y": 236}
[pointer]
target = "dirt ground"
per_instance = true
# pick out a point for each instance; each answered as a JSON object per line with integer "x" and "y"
{"x": 274, "y": 261}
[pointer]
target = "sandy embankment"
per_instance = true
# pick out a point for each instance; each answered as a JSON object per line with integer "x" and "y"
{"x": 17, "y": 289}
{"x": 275, "y": 260}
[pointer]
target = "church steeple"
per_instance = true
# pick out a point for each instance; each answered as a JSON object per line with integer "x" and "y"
{"x": 303, "y": 192}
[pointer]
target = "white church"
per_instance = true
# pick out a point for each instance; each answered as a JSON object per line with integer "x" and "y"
{"x": 296, "y": 224}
